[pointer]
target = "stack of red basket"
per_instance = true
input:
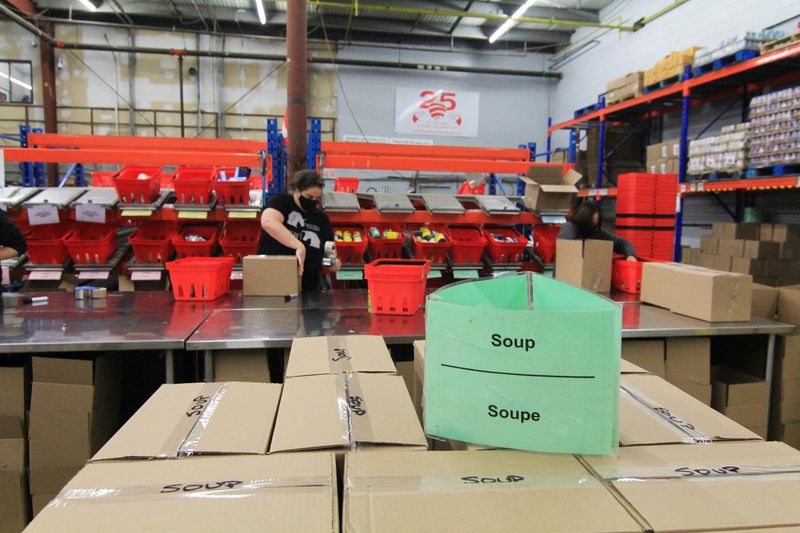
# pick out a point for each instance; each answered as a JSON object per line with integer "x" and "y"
{"x": 646, "y": 213}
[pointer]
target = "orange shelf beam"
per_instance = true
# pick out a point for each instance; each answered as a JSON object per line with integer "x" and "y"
{"x": 424, "y": 151}
{"x": 470, "y": 217}
{"x": 598, "y": 193}
{"x": 753, "y": 184}
{"x": 429, "y": 164}
{"x": 132, "y": 157}
{"x": 121, "y": 142}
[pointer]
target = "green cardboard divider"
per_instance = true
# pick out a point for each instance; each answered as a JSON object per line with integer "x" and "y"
{"x": 350, "y": 275}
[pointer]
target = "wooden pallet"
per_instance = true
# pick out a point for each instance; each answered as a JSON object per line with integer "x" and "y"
{"x": 629, "y": 97}
{"x": 717, "y": 175}
{"x": 783, "y": 42}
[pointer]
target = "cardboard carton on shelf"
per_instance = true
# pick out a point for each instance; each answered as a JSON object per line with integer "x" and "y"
{"x": 380, "y": 493}
{"x": 788, "y": 433}
{"x": 647, "y": 354}
{"x": 789, "y": 250}
{"x": 697, "y": 292}
{"x": 785, "y": 232}
{"x": 241, "y": 365}
{"x": 39, "y": 502}
{"x": 743, "y": 265}
{"x": 548, "y": 188}
{"x": 405, "y": 369}
{"x": 789, "y": 304}
{"x": 741, "y": 397}
{"x": 585, "y": 264}
{"x": 723, "y": 263}
{"x": 291, "y": 492}
{"x": 197, "y": 419}
{"x": 709, "y": 244}
{"x": 765, "y": 301}
{"x": 270, "y": 275}
{"x": 672, "y": 491}
{"x": 705, "y": 261}
{"x": 731, "y": 247}
{"x": 761, "y": 250}
{"x": 13, "y": 493}
{"x": 14, "y": 391}
{"x": 311, "y": 356}
{"x": 688, "y": 365}
{"x": 765, "y": 232}
{"x": 732, "y": 230}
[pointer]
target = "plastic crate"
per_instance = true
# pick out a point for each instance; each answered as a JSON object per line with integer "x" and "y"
{"x": 153, "y": 243}
{"x": 200, "y": 278}
{"x": 468, "y": 245}
{"x": 91, "y": 244}
{"x": 132, "y": 190}
{"x": 351, "y": 253}
{"x": 240, "y": 239}
{"x": 396, "y": 286}
{"x": 544, "y": 241}
{"x": 380, "y": 248}
{"x": 102, "y": 179}
{"x": 346, "y": 185}
{"x": 626, "y": 276}
{"x": 193, "y": 185}
{"x": 195, "y": 249}
{"x": 505, "y": 252}
{"x": 236, "y": 192}
{"x": 46, "y": 244}
{"x": 435, "y": 252}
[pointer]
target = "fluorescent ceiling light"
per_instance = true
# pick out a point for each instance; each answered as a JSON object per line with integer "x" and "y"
{"x": 12, "y": 79}
{"x": 511, "y": 22}
{"x": 90, "y": 6}
{"x": 262, "y": 16}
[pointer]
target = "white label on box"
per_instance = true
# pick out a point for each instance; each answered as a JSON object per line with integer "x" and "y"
{"x": 93, "y": 274}
{"x": 236, "y": 274}
{"x": 39, "y": 215}
{"x": 90, "y": 213}
{"x": 145, "y": 275}
{"x": 44, "y": 275}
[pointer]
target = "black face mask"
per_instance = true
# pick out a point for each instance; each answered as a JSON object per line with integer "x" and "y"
{"x": 307, "y": 204}
{"x": 587, "y": 230}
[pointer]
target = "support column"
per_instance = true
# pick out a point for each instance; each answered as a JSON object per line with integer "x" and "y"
{"x": 296, "y": 58}
{"x": 131, "y": 83}
{"x": 48, "y": 61}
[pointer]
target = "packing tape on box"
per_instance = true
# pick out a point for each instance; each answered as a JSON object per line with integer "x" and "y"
{"x": 339, "y": 355}
{"x": 632, "y": 474}
{"x": 494, "y": 482}
{"x": 353, "y": 410}
{"x": 684, "y": 429}
{"x": 228, "y": 489}
{"x": 733, "y": 295}
{"x": 185, "y": 438}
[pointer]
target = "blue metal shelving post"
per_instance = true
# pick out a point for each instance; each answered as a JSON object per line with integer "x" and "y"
{"x": 573, "y": 146}
{"x": 276, "y": 149}
{"x": 39, "y": 169}
{"x": 314, "y": 143}
{"x": 549, "y": 138}
{"x": 684, "y": 150}
{"x": 601, "y": 144}
{"x": 25, "y": 169}
{"x": 531, "y": 157}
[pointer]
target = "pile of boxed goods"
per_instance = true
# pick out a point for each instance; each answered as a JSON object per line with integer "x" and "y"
{"x": 785, "y": 412}
{"x": 624, "y": 88}
{"x": 664, "y": 157}
{"x": 774, "y": 134}
{"x": 14, "y": 389}
{"x": 768, "y": 252}
{"x": 724, "y": 153}
{"x": 671, "y": 66}
{"x": 751, "y": 41}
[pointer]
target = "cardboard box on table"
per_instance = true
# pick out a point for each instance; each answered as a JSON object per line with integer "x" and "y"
{"x": 719, "y": 487}
{"x": 270, "y": 275}
{"x": 313, "y": 356}
{"x": 241, "y": 365}
{"x": 513, "y": 381}
{"x": 476, "y": 491}
{"x": 228, "y": 493}
{"x": 585, "y": 264}
{"x": 648, "y": 354}
{"x": 549, "y": 188}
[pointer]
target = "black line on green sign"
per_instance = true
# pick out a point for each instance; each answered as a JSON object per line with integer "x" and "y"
{"x": 515, "y": 373}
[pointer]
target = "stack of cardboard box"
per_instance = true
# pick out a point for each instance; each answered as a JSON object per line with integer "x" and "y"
{"x": 664, "y": 158}
{"x": 785, "y": 411}
{"x": 74, "y": 410}
{"x": 743, "y": 398}
{"x": 628, "y": 86}
{"x": 669, "y": 67}
{"x": 13, "y": 483}
{"x": 768, "y": 252}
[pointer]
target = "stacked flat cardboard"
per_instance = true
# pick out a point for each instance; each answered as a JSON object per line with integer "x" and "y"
{"x": 664, "y": 157}
{"x": 13, "y": 492}
{"x": 785, "y": 401}
{"x": 476, "y": 491}
{"x": 646, "y": 354}
{"x": 585, "y": 264}
{"x": 314, "y": 356}
{"x": 291, "y": 492}
{"x": 748, "y": 486}
{"x": 74, "y": 410}
{"x": 241, "y": 365}
{"x": 628, "y": 86}
{"x": 742, "y": 398}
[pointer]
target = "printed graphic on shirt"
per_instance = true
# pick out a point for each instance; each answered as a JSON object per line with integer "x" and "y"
{"x": 308, "y": 236}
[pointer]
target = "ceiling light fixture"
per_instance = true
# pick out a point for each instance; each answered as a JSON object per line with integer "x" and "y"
{"x": 89, "y": 5}
{"x": 12, "y": 79}
{"x": 262, "y": 16}
{"x": 512, "y": 21}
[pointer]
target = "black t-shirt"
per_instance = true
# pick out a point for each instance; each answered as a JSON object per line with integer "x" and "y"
{"x": 312, "y": 229}
{"x": 10, "y": 235}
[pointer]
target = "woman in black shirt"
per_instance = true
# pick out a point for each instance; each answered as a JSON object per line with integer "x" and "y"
{"x": 587, "y": 223}
{"x": 293, "y": 224}
{"x": 12, "y": 242}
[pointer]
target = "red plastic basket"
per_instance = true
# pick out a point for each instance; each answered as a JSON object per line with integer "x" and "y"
{"x": 91, "y": 244}
{"x": 200, "y": 278}
{"x": 346, "y": 185}
{"x": 396, "y": 286}
{"x": 380, "y": 248}
{"x": 435, "y": 252}
{"x": 505, "y": 252}
{"x": 468, "y": 245}
{"x": 46, "y": 244}
{"x": 626, "y": 276}
{"x": 132, "y": 190}
{"x": 196, "y": 249}
{"x": 544, "y": 241}
{"x": 231, "y": 192}
{"x": 351, "y": 253}
{"x": 193, "y": 185}
{"x": 153, "y": 243}
{"x": 102, "y": 179}
{"x": 240, "y": 239}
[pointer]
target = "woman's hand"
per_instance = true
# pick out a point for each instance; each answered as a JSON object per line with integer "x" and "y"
{"x": 337, "y": 265}
{"x": 631, "y": 258}
{"x": 300, "y": 252}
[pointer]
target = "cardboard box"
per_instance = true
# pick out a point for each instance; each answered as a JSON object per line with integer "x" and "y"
{"x": 654, "y": 152}
{"x": 697, "y": 292}
{"x": 789, "y": 304}
{"x": 345, "y": 411}
{"x": 775, "y": 268}
{"x": 51, "y": 480}
{"x": 750, "y": 416}
{"x": 270, "y": 275}
{"x": 673, "y": 149}
{"x": 709, "y": 244}
{"x": 785, "y": 232}
{"x": 764, "y": 302}
{"x": 734, "y": 388}
{"x": 288, "y": 493}
{"x": 722, "y": 263}
{"x": 40, "y": 501}
{"x": 47, "y": 454}
{"x": 789, "y": 433}
{"x": 56, "y": 370}
{"x": 688, "y": 360}
{"x": 706, "y": 261}
{"x": 731, "y": 247}
{"x": 585, "y": 264}
{"x": 406, "y": 371}
{"x": 626, "y": 367}
{"x": 701, "y": 393}
{"x": 765, "y": 280}
{"x": 627, "y": 79}
{"x": 12, "y": 445}
{"x": 743, "y": 265}
{"x": 761, "y": 249}
{"x": 241, "y": 365}
{"x": 789, "y": 250}
{"x": 195, "y": 419}
{"x": 419, "y": 377}
{"x": 647, "y": 354}
{"x": 14, "y": 391}
{"x": 381, "y": 493}
{"x": 653, "y": 411}
{"x": 765, "y": 232}
{"x": 14, "y": 498}
{"x": 789, "y": 390}
{"x": 679, "y": 488}
{"x": 61, "y": 396}
{"x": 732, "y": 230}
{"x": 548, "y": 188}
{"x": 313, "y": 356}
